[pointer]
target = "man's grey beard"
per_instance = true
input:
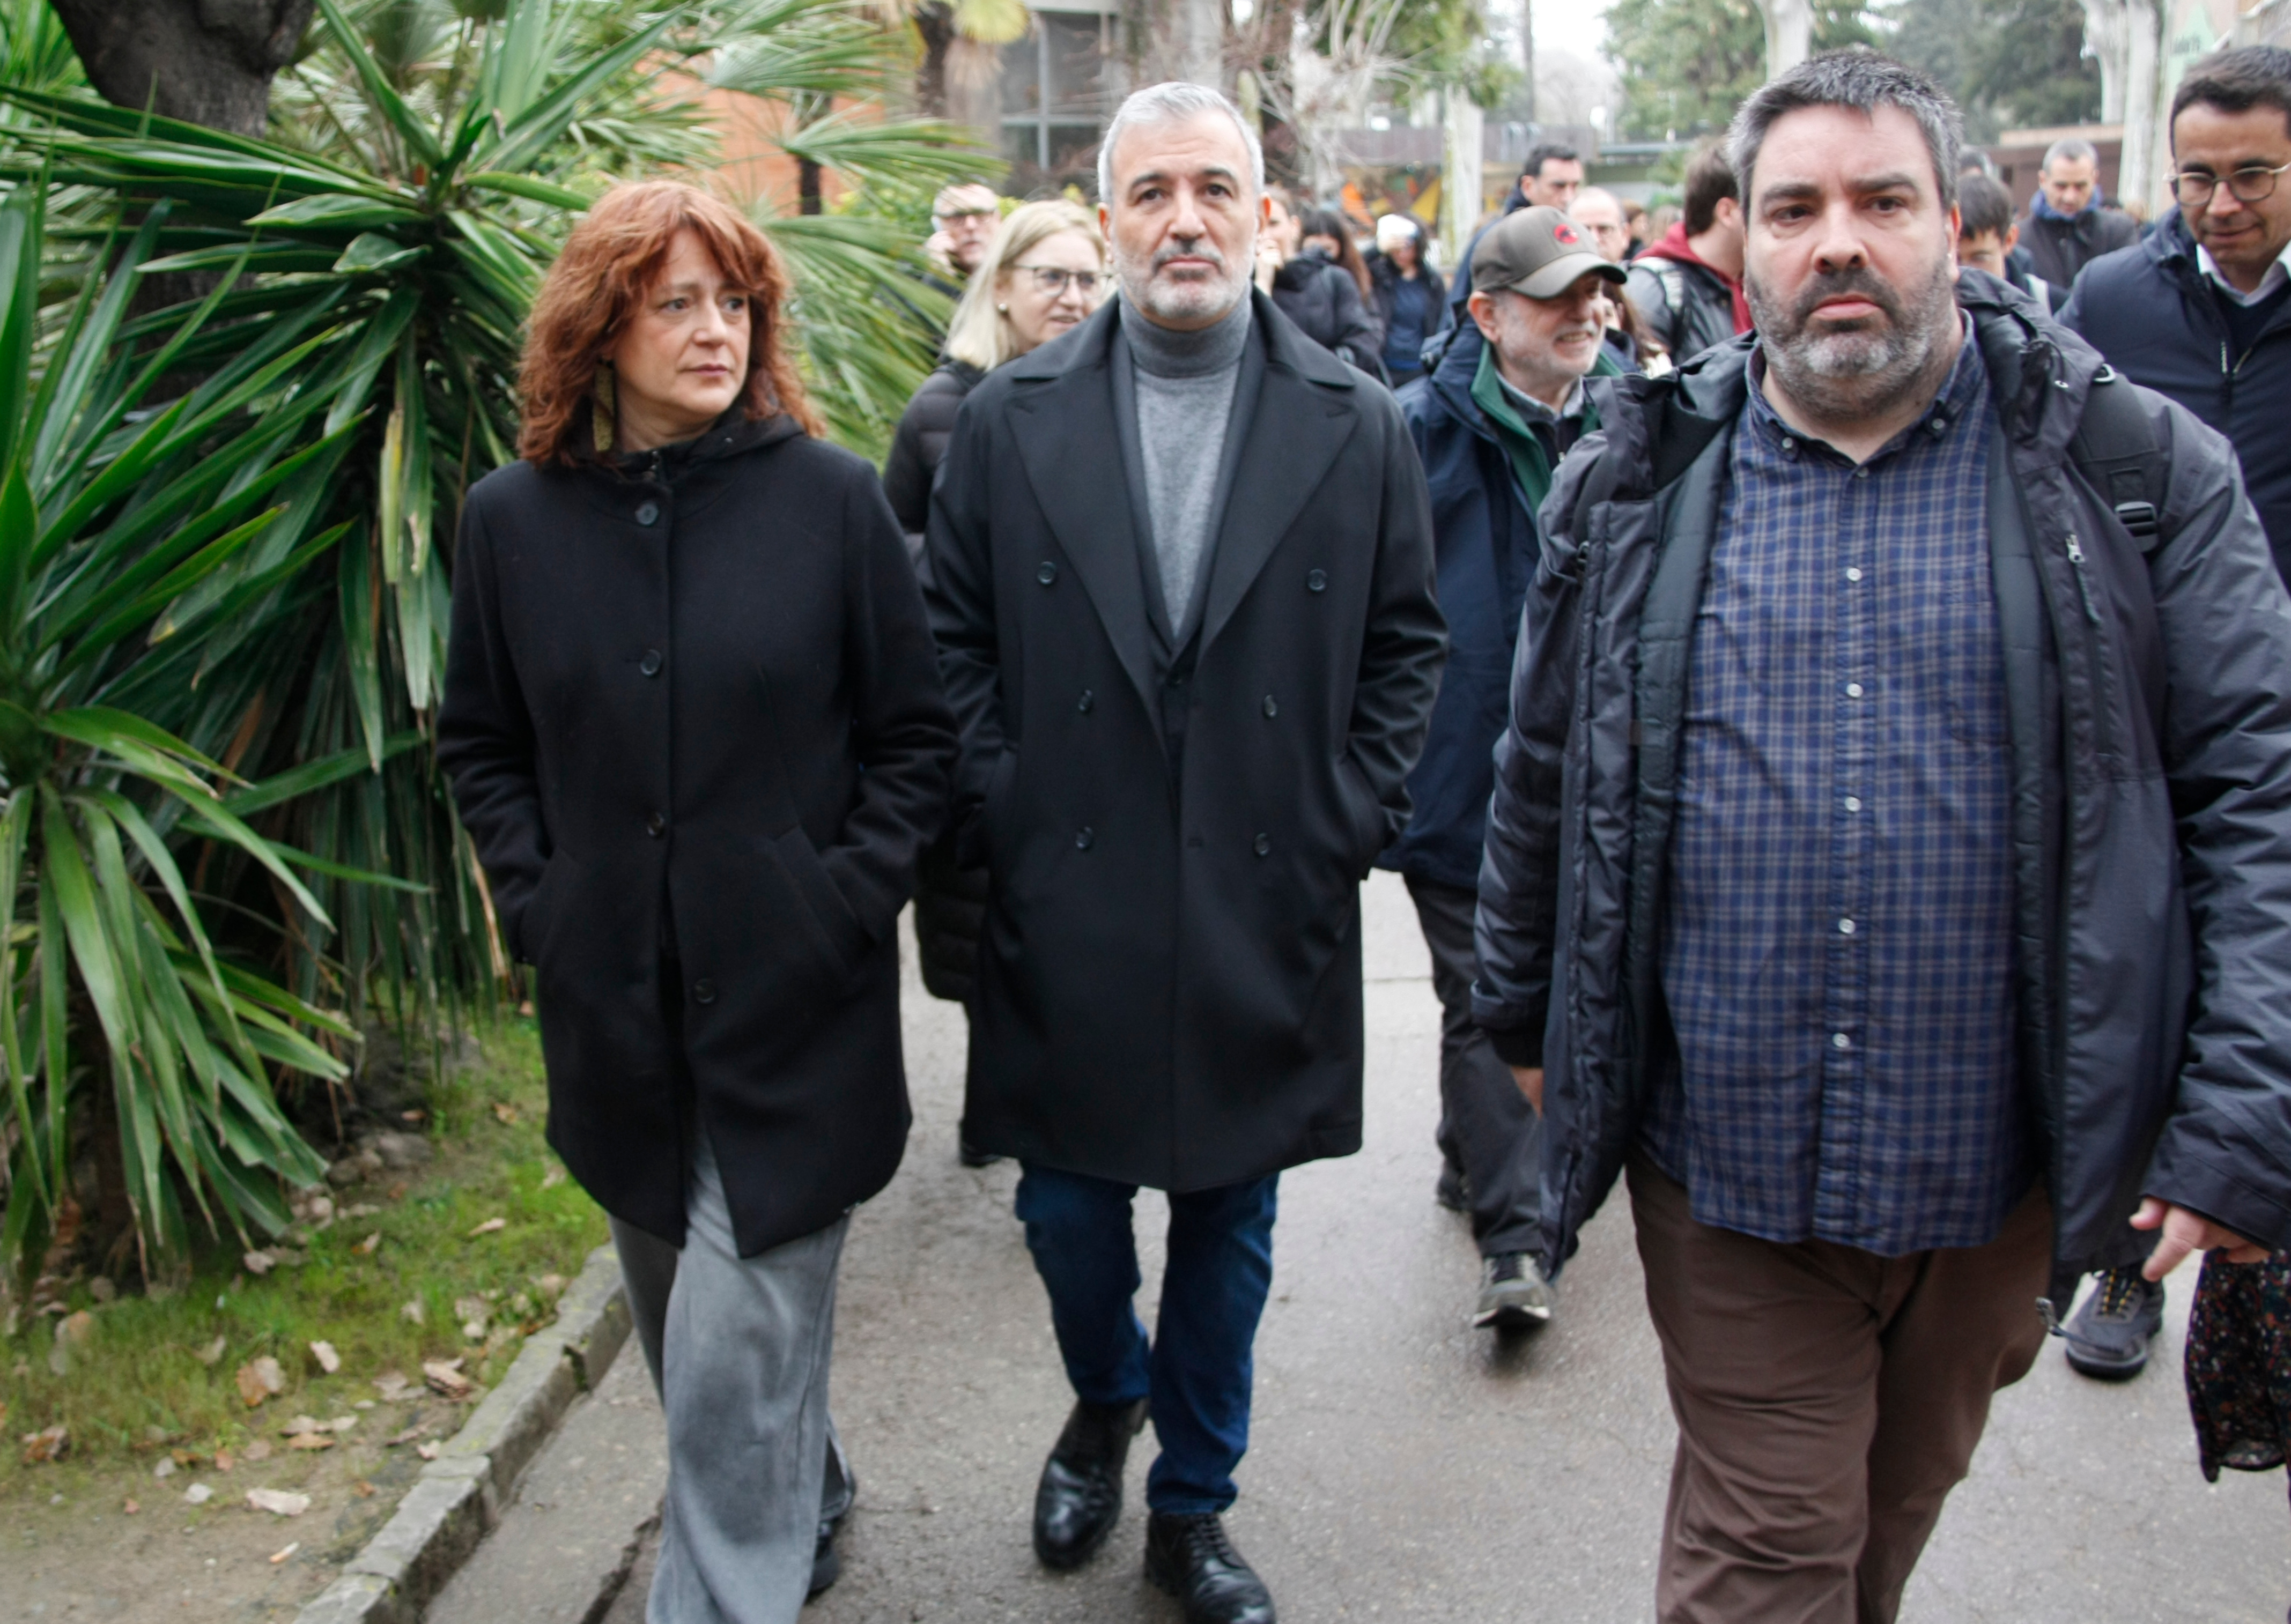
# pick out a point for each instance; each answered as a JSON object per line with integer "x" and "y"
{"x": 1860, "y": 371}
{"x": 1167, "y": 301}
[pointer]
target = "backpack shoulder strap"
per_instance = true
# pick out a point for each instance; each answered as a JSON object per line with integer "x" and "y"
{"x": 2116, "y": 449}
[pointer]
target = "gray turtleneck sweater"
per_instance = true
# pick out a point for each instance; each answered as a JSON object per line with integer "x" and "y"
{"x": 1185, "y": 386}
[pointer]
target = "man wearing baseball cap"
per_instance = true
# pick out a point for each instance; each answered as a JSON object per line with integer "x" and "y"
{"x": 1502, "y": 403}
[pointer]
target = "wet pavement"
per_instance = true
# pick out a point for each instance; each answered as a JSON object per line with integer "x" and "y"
{"x": 1405, "y": 1466}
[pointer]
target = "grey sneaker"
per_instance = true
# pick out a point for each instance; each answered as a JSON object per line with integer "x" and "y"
{"x": 1514, "y": 1292}
{"x": 2108, "y": 1336}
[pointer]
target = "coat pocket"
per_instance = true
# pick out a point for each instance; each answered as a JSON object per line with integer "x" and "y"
{"x": 538, "y": 918}
{"x": 836, "y": 925}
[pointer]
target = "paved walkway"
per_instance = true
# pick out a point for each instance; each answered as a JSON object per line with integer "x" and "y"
{"x": 1405, "y": 1466}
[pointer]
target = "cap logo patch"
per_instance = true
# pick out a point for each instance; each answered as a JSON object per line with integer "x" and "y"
{"x": 1564, "y": 235}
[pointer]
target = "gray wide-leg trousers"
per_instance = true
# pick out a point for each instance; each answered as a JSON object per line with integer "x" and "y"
{"x": 738, "y": 1348}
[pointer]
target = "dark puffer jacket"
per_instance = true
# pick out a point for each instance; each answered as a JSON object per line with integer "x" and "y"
{"x": 2150, "y": 310}
{"x": 2060, "y": 245}
{"x": 1321, "y": 296}
{"x": 2148, "y": 683}
{"x": 919, "y": 445}
{"x": 950, "y": 899}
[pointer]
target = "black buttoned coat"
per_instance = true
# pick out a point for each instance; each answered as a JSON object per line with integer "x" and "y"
{"x": 1170, "y": 988}
{"x": 698, "y": 722}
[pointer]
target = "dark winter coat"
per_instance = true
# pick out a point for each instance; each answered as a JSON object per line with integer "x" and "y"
{"x": 919, "y": 445}
{"x": 950, "y": 898}
{"x": 2148, "y": 684}
{"x": 697, "y": 724}
{"x": 1486, "y": 546}
{"x": 1384, "y": 276}
{"x": 1169, "y": 989}
{"x": 2060, "y": 247}
{"x": 1321, "y": 298}
{"x": 2151, "y": 311}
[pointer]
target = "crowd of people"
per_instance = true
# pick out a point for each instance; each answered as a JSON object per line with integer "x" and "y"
{"x": 1821, "y": 667}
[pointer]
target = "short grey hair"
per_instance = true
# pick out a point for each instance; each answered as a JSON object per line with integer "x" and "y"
{"x": 1864, "y": 80}
{"x": 1172, "y": 102}
{"x": 2073, "y": 148}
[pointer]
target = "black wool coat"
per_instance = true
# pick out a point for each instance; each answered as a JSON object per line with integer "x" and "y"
{"x": 1168, "y": 991}
{"x": 695, "y": 723}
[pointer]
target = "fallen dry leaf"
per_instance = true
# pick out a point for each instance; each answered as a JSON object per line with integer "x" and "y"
{"x": 488, "y": 1227}
{"x": 279, "y": 1557}
{"x": 343, "y": 1423}
{"x": 223, "y": 1460}
{"x": 185, "y": 1456}
{"x": 279, "y": 1502}
{"x": 212, "y": 1352}
{"x": 364, "y": 1249}
{"x": 131, "y": 1509}
{"x": 393, "y": 1386}
{"x": 329, "y": 1361}
{"x": 164, "y": 1470}
{"x": 428, "y": 1451}
{"x": 414, "y": 1116}
{"x": 300, "y": 1425}
{"x": 550, "y": 1286}
{"x": 504, "y": 1111}
{"x": 258, "y": 1262}
{"x": 76, "y": 1330}
{"x": 310, "y": 1439}
{"x": 260, "y": 1378}
{"x": 396, "y": 1192}
{"x": 407, "y": 1437}
{"x": 414, "y": 1312}
{"x": 445, "y": 1378}
{"x": 554, "y": 1177}
{"x": 362, "y": 1489}
{"x": 260, "y": 1450}
{"x": 198, "y": 1494}
{"x": 48, "y": 1443}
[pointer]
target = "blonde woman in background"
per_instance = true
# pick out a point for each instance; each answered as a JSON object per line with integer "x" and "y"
{"x": 1044, "y": 274}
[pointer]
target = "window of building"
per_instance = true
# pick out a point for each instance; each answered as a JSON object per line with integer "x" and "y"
{"x": 1054, "y": 100}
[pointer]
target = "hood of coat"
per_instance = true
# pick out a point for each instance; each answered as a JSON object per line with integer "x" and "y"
{"x": 735, "y": 434}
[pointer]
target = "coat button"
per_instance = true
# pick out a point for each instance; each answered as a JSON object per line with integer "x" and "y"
{"x": 650, "y": 664}
{"x": 1316, "y": 580}
{"x": 1084, "y": 837}
{"x": 703, "y": 991}
{"x": 1048, "y": 572}
{"x": 655, "y": 824}
{"x": 1271, "y": 709}
{"x": 647, "y": 513}
{"x": 1086, "y": 700}
{"x": 1264, "y": 845}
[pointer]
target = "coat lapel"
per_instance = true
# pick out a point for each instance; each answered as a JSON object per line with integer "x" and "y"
{"x": 1071, "y": 449}
{"x": 1298, "y": 428}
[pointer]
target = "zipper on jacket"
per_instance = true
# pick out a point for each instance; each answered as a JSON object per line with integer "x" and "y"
{"x": 2083, "y": 581}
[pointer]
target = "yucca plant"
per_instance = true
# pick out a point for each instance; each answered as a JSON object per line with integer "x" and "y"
{"x": 366, "y": 276}
{"x": 129, "y": 537}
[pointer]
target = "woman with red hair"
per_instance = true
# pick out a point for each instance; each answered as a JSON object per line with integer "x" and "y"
{"x": 694, "y": 724}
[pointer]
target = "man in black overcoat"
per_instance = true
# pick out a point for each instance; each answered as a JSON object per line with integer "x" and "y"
{"x": 1182, "y": 583}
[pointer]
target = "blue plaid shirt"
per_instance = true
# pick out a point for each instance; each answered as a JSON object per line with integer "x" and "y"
{"x": 1837, "y": 954}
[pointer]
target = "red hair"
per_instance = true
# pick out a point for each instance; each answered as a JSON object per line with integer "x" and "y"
{"x": 609, "y": 262}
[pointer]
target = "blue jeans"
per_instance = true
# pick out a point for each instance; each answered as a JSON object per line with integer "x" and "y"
{"x": 1197, "y": 1370}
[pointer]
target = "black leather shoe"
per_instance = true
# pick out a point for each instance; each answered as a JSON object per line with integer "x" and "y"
{"x": 826, "y": 1566}
{"x": 971, "y": 1155}
{"x": 1190, "y": 1557}
{"x": 1079, "y": 1499}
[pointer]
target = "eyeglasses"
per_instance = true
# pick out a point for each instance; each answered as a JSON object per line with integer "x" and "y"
{"x": 2253, "y": 183}
{"x": 1053, "y": 279}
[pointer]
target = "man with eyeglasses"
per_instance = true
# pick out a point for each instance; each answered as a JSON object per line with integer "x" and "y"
{"x": 2201, "y": 312}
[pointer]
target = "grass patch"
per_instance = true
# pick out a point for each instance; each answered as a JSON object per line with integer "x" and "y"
{"x": 137, "y": 1386}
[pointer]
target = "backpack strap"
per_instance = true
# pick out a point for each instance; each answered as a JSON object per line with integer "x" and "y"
{"x": 2116, "y": 450}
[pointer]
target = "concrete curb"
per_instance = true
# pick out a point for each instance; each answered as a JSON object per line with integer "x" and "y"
{"x": 459, "y": 1495}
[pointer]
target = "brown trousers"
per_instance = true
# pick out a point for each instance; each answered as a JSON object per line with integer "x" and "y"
{"x": 1828, "y": 1401}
